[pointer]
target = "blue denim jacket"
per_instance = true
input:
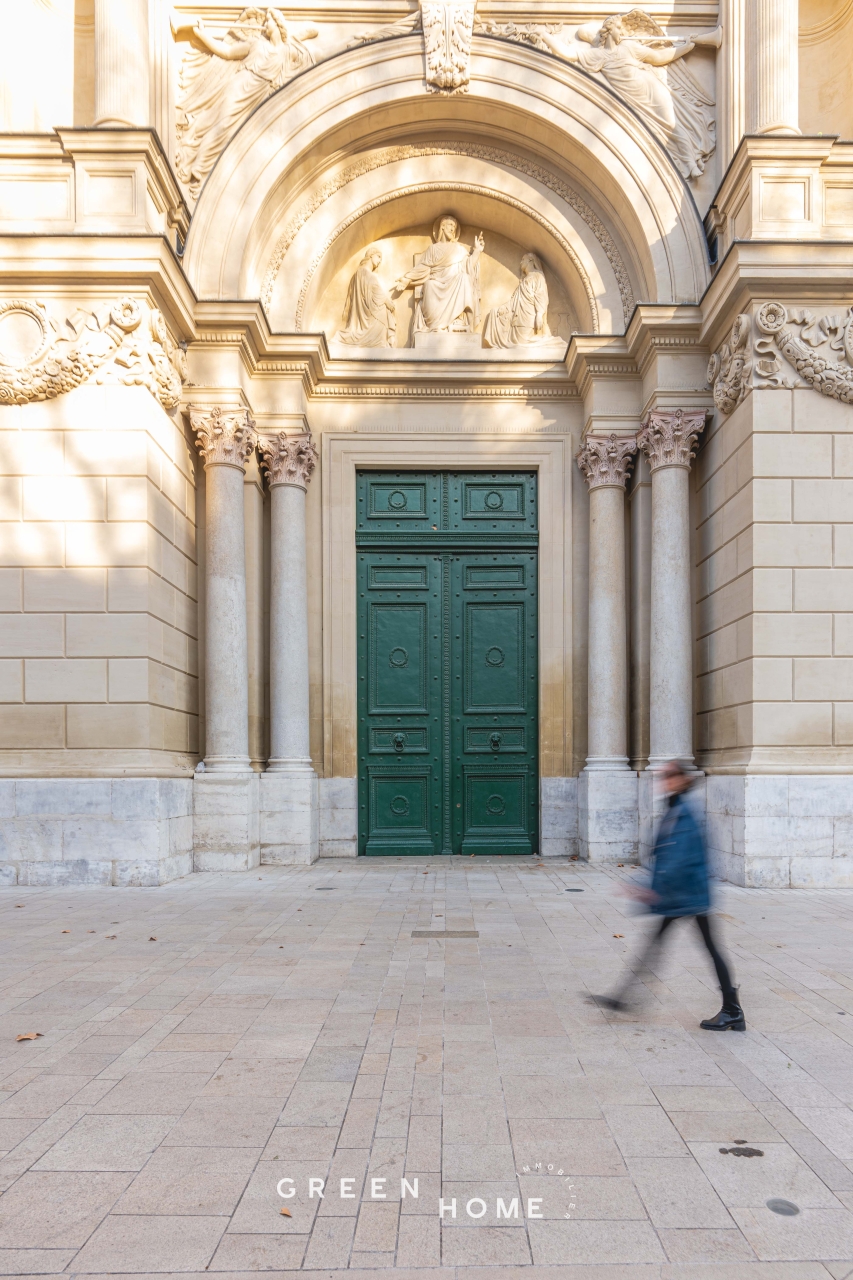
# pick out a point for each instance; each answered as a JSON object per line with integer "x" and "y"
{"x": 680, "y": 876}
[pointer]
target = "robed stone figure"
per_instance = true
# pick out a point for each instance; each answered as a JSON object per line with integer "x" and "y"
{"x": 524, "y": 319}
{"x": 369, "y": 319}
{"x": 446, "y": 280}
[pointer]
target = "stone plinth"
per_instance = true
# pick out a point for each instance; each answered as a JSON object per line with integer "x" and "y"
{"x": 450, "y": 346}
{"x": 226, "y": 834}
{"x": 119, "y": 831}
{"x": 607, "y": 815}
{"x": 289, "y": 817}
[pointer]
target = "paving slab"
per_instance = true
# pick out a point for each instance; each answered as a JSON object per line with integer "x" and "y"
{"x": 284, "y": 1049}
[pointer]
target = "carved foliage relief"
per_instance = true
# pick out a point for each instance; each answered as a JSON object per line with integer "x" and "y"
{"x": 289, "y": 459}
{"x": 606, "y": 460}
{"x": 117, "y": 343}
{"x": 447, "y": 44}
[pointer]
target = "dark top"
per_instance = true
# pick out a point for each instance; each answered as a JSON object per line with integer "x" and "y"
{"x": 680, "y": 876}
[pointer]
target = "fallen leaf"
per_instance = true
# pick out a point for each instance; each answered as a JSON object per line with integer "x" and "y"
{"x": 111, "y": 936}
{"x": 152, "y": 938}
{"x": 90, "y": 930}
{"x": 66, "y": 930}
{"x": 19, "y": 904}
{"x": 618, "y": 935}
{"x": 30, "y": 1035}
{"x": 620, "y": 864}
{"x": 285, "y": 1213}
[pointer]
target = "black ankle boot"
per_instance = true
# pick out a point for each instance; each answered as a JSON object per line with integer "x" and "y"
{"x": 730, "y": 1018}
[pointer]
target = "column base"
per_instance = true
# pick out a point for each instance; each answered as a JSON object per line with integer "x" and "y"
{"x": 289, "y": 817}
{"x": 227, "y": 764}
{"x": 608, "y": 825}
{"x": 225, "y": 821}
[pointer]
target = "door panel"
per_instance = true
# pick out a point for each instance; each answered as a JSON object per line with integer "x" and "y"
{"x": 447, "y": 663}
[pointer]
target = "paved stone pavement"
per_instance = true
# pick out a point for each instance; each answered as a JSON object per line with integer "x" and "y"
{"x": 203, "y": 1041}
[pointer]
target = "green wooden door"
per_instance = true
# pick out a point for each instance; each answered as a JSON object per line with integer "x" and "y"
{"x": 447, "y": 663}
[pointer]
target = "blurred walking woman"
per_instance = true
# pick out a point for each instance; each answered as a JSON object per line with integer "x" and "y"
{"x": 680, "y": 888}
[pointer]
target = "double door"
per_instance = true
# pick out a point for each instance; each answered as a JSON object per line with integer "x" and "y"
{"x": 447, "y": 656}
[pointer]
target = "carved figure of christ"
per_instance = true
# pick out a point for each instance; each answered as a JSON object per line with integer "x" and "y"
{"x": 448, "y": 279}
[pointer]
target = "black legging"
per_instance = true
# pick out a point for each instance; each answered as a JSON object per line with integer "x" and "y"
{"x": 704, "y": 925}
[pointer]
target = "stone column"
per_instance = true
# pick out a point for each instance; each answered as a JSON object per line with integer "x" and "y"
{"x": 608, "y": 791}
{"x": 225, "y": 441}
{"x": 289, "y": 792}
{"x": 772, "y": 67}
{"x": 641, "y": 589}
{"x": 668, "y": 440}
{"x": 121, "y": 63}
{"x": 225, "y": 799}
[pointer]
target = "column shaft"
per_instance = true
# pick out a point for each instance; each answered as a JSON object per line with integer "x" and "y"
{"x": 772, "y": 66}
{"x": 226, "y": 654}
{"x": 289, "y": 729}
{"x": 607, "y": 630}
{"x": 668, "y": 440}
{"x": 121, "y": 63}
{"x": 641, "y": 588}
{"x": 671, "y": 657}
{"x": 225, "y": 440}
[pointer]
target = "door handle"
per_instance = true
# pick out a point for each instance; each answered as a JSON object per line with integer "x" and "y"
{"x": 398, "y": 741}
{"x": 495, "y": 741}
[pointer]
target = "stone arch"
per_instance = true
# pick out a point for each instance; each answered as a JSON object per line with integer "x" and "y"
{"x": 585, "y": 147}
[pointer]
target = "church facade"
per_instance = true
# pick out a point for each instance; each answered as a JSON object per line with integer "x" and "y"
{"x": 419, "y": 422}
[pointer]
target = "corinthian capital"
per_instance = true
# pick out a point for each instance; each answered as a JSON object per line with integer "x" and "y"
{"x": 226, "y": 437}
{"x": 668, "y": 437}
{"x": 289, "y": 459}
{"x": 606, "y": 460}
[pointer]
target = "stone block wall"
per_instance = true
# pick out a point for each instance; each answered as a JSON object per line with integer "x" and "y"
{"x": 778, "y": 831}
{"x": 108, "y": 831}
{"x": 98, "y": 591}
{"x": 775, "y": 585}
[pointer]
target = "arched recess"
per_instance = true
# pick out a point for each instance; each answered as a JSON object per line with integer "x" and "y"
{"x": 574, "y": 136}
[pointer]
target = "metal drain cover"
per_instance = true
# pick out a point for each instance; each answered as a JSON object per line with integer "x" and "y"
{"x": 787, "y": 1208}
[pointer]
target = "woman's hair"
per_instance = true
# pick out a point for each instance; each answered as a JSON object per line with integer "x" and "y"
{"x": 676, "y": 769}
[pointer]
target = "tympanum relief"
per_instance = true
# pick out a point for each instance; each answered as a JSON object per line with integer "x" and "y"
{"x": 369, "y": 317}
{"x": 637, "y": 60}
{"x": 523, "y": 320}
{"x": 446, "y": 281}
{"x": 455, "y": 296}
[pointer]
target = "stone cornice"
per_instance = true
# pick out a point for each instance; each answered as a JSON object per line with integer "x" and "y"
{"x": 664, "y": 330}
{"x": 92, "y": 265}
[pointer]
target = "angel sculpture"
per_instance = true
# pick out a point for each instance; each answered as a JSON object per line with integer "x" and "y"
{"x": 641, "y": 64}
{"x": 223, "y": 81}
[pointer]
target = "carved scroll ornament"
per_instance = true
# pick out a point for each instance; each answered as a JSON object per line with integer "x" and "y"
{"x": 225, "y": 437}
{"x": 821, "y": 373}
{"x": 669, "y": 437}
{"x": 730, "y": 369}
{"x": 289, "y": 459}
{"x": 606, "y": 460}
{"x": 113, "y": 344}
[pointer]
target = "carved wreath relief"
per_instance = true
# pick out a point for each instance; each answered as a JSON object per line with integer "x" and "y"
{"x": 751, "y": 355}
{"x": 117, "y": 343}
